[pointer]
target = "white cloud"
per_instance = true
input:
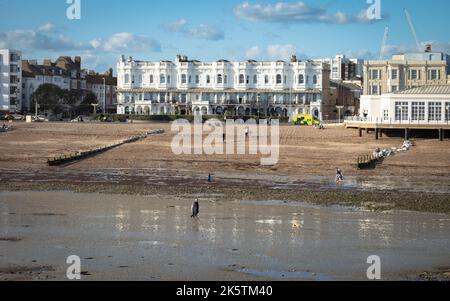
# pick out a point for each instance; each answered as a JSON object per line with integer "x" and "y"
{"x": 281, "y": 52}
{"x": 202, "y": 31}
{"x": 253, "y": 52}
{"x": 126, "y": 42}
{"x": 206, "y": 32}
{"x": 272, "y": 52}
{"x": 49, "y": 27}
{"x": 299, "y": 12}
{"x": 176, "y": 26}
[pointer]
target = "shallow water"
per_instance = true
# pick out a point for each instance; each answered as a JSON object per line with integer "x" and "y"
{"x": 154, "y": 238}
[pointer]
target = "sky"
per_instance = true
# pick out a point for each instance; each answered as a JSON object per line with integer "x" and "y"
{"x": 210, "y": 30}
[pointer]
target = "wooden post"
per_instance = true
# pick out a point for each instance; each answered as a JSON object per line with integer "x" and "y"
{"x": 360, "y": 132}
{"x": 441, "y": 136}
{"x": 376, "y": 134}
{"x": 381, "y": 133}
{"x": 406, "y": 134}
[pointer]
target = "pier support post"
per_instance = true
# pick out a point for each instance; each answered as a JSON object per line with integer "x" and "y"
{"x": 406, "y": 134}
{"x": 381, "y": 133}
{"x": 360, "y": 132}
{"x": 376, "y": 134}
{"x": 441, "y": 135}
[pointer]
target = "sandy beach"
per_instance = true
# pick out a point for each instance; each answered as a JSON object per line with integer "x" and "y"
{"x": 126, "y": 212}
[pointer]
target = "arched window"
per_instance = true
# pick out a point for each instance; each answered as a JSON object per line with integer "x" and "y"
{"x": 279, "y": 79}
{"x": 241, "y": 79}
{"x": 315, "y": 79}
{"x": 162, "y": 79}
{"x": 301, "y": 79}
{"x": 183, "y": 78}
{"x": 219, "y": 79}
{"x": 266, "y": 79}
{"x": 208, "y": 79}
{"x": 151, "y": 78}
{"x": 255, "y": 79}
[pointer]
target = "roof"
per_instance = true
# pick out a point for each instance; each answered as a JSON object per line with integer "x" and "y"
{"x": 430, "y": 89}
{"x": 30, "y": 70}
{"x": 350, "y": 86}
{"x": 97, "y": 79}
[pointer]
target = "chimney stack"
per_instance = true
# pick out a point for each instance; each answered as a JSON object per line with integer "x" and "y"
{"x": 47, "y": 62}
{"x": 294, "y": 58}
{"x": 78, "y": 61}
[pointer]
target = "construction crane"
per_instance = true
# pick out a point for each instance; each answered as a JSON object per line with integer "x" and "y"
{"x": 383, "y": 45}
{"x": 413, "y": 30}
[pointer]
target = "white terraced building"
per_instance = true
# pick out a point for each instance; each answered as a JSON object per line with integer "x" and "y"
{"x": 233, "y": 88}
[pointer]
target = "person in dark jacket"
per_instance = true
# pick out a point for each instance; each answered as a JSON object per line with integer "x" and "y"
{"x": 195, "y": 209}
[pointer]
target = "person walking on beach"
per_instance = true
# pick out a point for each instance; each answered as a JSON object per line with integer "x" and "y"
{"x": 195, "y": 209}
{"x": 339, "y": 176}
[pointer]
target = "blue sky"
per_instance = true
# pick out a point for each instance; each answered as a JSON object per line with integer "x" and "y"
{"x": 211, "y": 30}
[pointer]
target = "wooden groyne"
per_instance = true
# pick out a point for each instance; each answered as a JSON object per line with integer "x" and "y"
{"x": 367, "y": 161}
{"x": 68, "y": 158}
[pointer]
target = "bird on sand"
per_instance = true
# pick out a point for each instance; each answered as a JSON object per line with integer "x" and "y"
{"x": 195, "y": 209}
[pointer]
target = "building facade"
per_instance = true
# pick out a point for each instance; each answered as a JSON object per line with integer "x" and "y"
{"x": 420, "y": 105}
{"x": 104, "y": 86}
{"x": 405, "y": 71}
{"x": 217, "y": 88}
{"x": 35, "y": 75}
{"x": 10, "y": 81}
{"x": 67, "y": 74}
{"x": 343, "y": 68}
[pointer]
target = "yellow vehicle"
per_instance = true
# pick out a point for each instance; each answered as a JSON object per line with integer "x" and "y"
{"x": 305, "y": 119}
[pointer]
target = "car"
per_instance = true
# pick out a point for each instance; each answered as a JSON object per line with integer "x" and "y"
{"x": 81, "y": 118}
{"x": 306, "y": 119}
{"x": 39, "y": 119}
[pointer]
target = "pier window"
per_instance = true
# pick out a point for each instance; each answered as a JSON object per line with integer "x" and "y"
{"x": 418, "y": 111}
{"x": 162, "y": 79}
{"x": 255, "y": 79}
{"x": 197, "y": 79}
{"x": 434, "y": 111}
{"x": 183, "y": 79}
{"x": 225, "y": 79}
{"x": 401, "y": 111}
{"x": 394, "y": 74}
{"x": 315, "y": 79}
{"x": 301, "y": 79}
{"x": 375, "y": 74}
{"x": 434, "y": 74}
{"x": 266, "y": 79}
{"x": 415, "y": 74}
{"x": 279, "y": 79}
{"x": 219, "y": 79}
{"x": 168, "y": 79}
{"x": 386, "y": 115}
{"x": 208, "y": 79}
{"x": 447, "y": 111}
{"x": 127, "y": 78}
{"x": 151, "y": 78}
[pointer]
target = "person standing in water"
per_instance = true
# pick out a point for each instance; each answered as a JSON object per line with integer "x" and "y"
{"x": 195, "y": 209}
{"x": 339, "y": 175}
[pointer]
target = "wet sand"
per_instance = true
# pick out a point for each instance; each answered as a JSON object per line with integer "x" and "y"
{"x": 152, "y": 237}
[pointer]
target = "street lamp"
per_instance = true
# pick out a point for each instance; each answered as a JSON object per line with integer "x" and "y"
{"x": 104, "y": 95}
{"x": 339, "y": 112}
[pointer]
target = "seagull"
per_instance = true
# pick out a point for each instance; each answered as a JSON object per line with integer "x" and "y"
{"x": 195, "y": 209}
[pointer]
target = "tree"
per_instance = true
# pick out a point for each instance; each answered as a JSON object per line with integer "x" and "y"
{"x": 49, "y": 97}
{"x": 85, "y": 107}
